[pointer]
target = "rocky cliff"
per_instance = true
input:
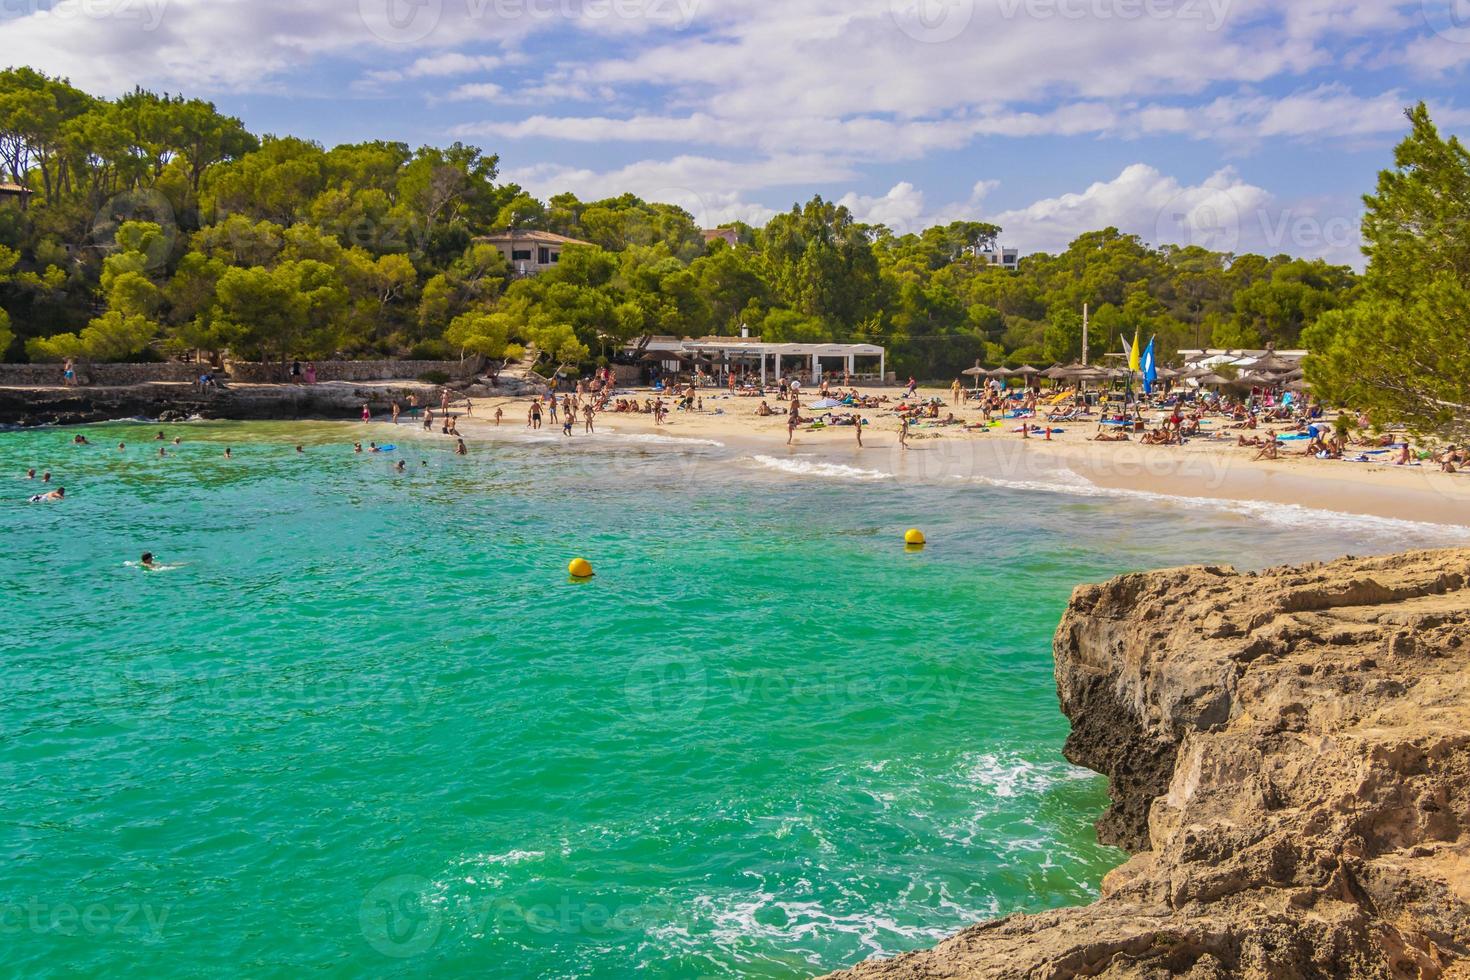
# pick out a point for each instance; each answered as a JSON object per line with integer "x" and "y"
{"x": 1289, "y": 760}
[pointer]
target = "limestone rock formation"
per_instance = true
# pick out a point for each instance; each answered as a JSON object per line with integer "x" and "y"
{"x": 1289, "y": 762}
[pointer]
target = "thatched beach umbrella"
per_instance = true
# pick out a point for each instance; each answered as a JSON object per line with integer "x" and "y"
{"x": 1250, "y": 380}
{"x": 1056, "y": 372}
{"x": 1209, "y": 380}
{"x": 975, "y": 372}
{"x": 1271, "y": 363}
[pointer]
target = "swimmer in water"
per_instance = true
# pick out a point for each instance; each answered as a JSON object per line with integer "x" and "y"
{"x": 460, "y": 450}
{"x": 398, "y": 466}
{"x": 357, "y": 447}
{"x": 228, "y": 454}
{"x": 147, "y": 560}
{"x": 373, "y": 448}
{"x": 121, "y": 447}
{"x": 160, "y": 437}
{"x": 81, "y": 441}
{"x": 177, "y": 440}
{"x": 46, "y": 498}
{"x": 31, "y": 473}
{"x": 162, "y": 451}
{"x": 301, "y": 449}
{"x": 46, "y": 477}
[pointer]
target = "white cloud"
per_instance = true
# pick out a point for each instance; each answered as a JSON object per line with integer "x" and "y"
{"x": 1222, "y": 213}
{"x": 475, "y": 91}
{"x": 442, "y": 65}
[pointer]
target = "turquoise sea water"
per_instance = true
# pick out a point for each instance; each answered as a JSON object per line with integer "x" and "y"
{"x": 367, "y": 726}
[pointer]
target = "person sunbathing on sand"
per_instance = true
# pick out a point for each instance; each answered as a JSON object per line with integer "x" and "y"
{"x": 1117, "y": 435}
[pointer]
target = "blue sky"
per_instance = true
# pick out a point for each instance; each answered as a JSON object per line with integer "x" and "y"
{"x": 1237, "y": 124}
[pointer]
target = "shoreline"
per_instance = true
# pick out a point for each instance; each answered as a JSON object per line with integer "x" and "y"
{"x": 1208, "y": 474}
{"x": 1203, "y": 472}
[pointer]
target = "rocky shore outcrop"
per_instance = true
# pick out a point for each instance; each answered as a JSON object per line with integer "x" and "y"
{"x": 1289, "y": 761}
{"x": 245, "y": 402}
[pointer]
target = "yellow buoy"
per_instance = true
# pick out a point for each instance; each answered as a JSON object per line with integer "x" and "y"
{"x": 914, "y": 536}
{"x": 580, "y": 568}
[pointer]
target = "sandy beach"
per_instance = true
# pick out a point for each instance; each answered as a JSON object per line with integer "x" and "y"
{"x": 1205, "y": 468}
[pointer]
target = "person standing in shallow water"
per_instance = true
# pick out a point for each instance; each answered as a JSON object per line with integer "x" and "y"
{"x": 367, "y": 412}
{"x": 860, "y": 431}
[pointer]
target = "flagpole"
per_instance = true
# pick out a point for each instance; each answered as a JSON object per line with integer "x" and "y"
{"x": 1084, "y": 334}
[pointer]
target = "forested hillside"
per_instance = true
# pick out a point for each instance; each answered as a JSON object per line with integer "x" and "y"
{"x": 158, "y": 226}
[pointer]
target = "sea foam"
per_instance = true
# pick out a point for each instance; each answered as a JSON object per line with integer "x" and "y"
{"x": 806, "y": 466}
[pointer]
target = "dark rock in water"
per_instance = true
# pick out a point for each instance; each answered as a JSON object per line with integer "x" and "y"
{"x": 1295, "y": 788}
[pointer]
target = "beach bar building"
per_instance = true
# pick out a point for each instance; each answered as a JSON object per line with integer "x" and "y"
{"x": 769, "y": 361}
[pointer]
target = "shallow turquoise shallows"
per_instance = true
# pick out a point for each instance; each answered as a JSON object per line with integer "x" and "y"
{"x": 369, "y": 726}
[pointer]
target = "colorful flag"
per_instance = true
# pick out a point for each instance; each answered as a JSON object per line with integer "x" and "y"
{"x": 1150, "y": 369}
{"x": 1134, "y": 358}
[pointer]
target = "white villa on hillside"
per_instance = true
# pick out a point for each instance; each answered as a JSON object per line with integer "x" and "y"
{"x": 529, "y": 252}
{"x": 1007, "y": 258}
